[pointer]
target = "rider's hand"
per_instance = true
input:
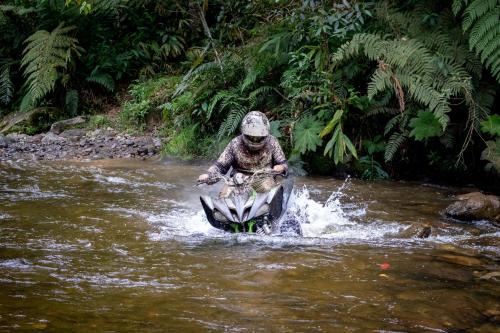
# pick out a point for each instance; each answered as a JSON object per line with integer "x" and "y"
{"x": 279, "y": 168}
{"x": 203, "y": 178}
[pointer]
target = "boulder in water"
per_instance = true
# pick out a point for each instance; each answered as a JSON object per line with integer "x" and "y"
{"x": 416, "y": 230}
{"x": 461, "y": 260}
{"x": 475, "y": 206}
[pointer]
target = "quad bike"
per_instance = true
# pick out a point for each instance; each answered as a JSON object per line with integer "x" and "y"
{"x": 248, "y": 210}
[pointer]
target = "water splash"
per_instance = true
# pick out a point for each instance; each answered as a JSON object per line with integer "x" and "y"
{"x": 331, "y": 219}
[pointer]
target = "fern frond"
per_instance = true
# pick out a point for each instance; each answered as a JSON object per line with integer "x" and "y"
{"x": 258, "y": 94}
{"x": 193, "y": 73}
{"x": 478, "y": 8}
{"x": 483, "y": 25}
{"x": 17, "y": 10}
{"x": 380, "y": 81}
{"x": 249, "y": 80}
{"x": 379, "y": 110}
{"x": 221, "y": 95}
{"x": 231, "y": 123}
{"x": 481, "y": 18}
{"x": 6, "y": 85}
{"x": 392, "y": 146}
{"x": 44, "y": 54}
{"x": 391, "y": 123}
{"x": 457, "y": 6}
{"x": 103, "y": 79}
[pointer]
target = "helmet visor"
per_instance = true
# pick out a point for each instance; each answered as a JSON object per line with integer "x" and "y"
{"x": 255, "y": 139}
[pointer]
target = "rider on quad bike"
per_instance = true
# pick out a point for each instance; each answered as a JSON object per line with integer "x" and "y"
{"x": 255, "y": 149}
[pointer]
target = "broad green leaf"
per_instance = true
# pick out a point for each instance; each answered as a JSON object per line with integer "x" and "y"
{"x": 374, "y": 146}
{"x": 332, "y": 123}
{"x": 491, "y": 125}
{"x": 425, "y": 126}
{"x": 339, "y": 150}
{"x": 306, "y": 134}
{"x": 332, "y": 142}
{"x": 350, "y": 146}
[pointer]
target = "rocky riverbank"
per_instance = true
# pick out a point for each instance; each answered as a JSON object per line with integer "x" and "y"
{"x": 78, "y": 144}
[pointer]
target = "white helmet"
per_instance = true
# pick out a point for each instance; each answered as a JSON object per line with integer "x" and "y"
{"x": 255, "y": 129}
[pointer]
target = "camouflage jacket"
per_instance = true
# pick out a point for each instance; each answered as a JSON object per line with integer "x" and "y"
{"x": 238, "y": 156}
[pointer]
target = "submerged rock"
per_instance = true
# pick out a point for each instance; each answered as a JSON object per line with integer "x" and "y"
{"x": 416, "y": 230}
{"x": 460, "y": 260}
{"x": 475, "y": 206}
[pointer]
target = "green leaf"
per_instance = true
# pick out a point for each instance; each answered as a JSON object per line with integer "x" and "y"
{"x": 425, "y": 126}
{"x": 492, "y": 155}
{"x": 332, "y": 123}
{"x": 306, "y": 134}
{"x": 374, "y": 146}
{"x": 491, "y": 125}
{"x": 275, "y": 128}
{"x": 332, "y": 142}
{"x": 350, "y": 146}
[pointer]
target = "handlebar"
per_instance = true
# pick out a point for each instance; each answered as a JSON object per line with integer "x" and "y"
{"x": 250, "y": 178}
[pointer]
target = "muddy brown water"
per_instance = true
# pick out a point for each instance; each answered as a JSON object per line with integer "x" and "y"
{"x": 123, "y": 246}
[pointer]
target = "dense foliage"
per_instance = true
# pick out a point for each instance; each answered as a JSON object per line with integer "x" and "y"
{"x": 382, "y": 88}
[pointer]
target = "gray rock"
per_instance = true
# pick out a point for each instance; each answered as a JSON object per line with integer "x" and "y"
{"x": 73, "y": 134}
{"x": 60, "y": 126}
{"x": 3, "y": 141}
{"x": 475, "y": 206}
{"x": 51, "y": 138}
{"x": 36, "y": 138}
{"x": 16, "y": 137}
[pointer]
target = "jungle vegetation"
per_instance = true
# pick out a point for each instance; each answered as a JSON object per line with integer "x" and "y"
{"x": 376, "y": 88}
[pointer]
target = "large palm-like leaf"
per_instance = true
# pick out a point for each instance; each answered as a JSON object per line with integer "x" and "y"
{"x": 480, "y": 19}
{"x": 45, "y": 54}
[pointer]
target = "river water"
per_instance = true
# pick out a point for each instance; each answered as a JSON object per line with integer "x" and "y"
{"x": 123, "y": 246}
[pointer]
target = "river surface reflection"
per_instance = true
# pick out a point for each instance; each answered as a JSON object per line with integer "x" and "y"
{"x": 123, "y": 246}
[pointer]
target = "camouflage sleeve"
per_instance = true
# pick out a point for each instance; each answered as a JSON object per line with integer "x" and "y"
{"x": 223, "y": 163}
{"x": 278, "y": 155}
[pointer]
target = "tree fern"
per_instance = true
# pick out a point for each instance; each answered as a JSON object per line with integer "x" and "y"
{"x": 407, "y": 63}
{"x": 45, "y": 53}
{"x": 481, "y": 20}
{"x": 6, "y": 85}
